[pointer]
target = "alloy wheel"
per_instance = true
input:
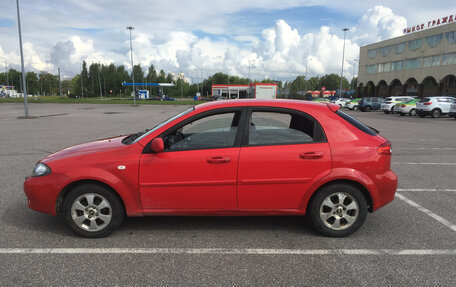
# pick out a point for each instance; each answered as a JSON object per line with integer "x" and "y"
{"x": 339, "y": 211}
{"x": 91, "y": 212}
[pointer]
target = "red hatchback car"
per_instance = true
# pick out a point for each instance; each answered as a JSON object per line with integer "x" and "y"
{"x": 244, "y": 157}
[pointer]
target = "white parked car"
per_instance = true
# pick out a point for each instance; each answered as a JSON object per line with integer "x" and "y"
{"x": 406, "y": 108}
{"x": 341, "y": 101}
{"x": 388, "y": 106}
{"x": 434, "y": 106}
{"x": 452, "y": 112}
{"x": 353, "y": 104}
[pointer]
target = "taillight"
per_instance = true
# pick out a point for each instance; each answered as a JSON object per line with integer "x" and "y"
{"x": 384, "y": 148}
{"x": 427, "y": 104}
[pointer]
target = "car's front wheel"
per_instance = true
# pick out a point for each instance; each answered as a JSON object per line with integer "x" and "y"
{"x": 355, "y": 108}
{"x": 412, "y": 112}
{"x": 337, "y": 210}
{"x": 92, "y": 210}
{"x": 368, "y": 108}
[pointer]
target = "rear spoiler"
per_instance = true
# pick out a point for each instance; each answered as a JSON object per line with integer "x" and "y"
{"x": 333, "y": 107}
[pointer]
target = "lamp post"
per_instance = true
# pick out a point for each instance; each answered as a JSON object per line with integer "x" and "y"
{"x": 132, "y": 67}
{"x": 250, "y": 61}
{"x": 353, "y": 74}
{"x": 22, "y": 60}
{"x": 342, "y": 70}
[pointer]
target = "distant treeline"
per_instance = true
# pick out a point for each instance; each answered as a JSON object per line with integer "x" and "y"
{"x": 100, "y": 80}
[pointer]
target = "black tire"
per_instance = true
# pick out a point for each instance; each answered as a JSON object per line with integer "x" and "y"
{"x": 316, "y": 207}
{"x": 412, "y": 112}
{"x": 104, "y": 215}
{"x": 436, "y": 113}
{"x": 368, "y": 108}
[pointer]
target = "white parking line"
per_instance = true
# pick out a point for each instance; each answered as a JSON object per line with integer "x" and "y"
{"x": 427, "y": 211}
{"x": 228, "y": 251}
{"x": 424, "y": 148}
{"x": 420, "y": 140}
{"x": 427, "y": 189}
{"x": 425, "y": 163}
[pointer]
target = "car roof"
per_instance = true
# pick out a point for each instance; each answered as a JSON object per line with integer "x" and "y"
{"x": 293, "y": 104}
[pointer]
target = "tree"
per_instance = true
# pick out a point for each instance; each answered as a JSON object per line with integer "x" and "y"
{"x": 354, "y": 83}
{"x": 85, "y": 79}
{"x": 161, "y": 77}
{"x": 33, "y": 86}
{"x": 151, "y": 74}
{"x": 49, "y": 84}
{"x": 139, "y": 74}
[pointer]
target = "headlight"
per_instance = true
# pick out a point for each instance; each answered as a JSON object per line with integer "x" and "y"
{"x": 41, "y": 169}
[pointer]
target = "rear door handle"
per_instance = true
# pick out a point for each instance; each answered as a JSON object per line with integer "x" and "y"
{"x": 311, "y": 155}
{"x": 218, "y": 159}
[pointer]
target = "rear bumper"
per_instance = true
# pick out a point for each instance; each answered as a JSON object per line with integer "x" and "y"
{"x": 386, "y": 189}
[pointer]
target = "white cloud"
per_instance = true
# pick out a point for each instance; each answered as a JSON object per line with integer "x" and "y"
{"x": 379, "y": 23}
{"x": 167, "y": 40}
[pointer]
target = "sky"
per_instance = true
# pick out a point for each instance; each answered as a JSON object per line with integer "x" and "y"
{"x": 275, "y": 39}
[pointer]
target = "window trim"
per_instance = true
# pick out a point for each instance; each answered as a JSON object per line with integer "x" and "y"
{"x": 237, "y": 140}
{"x": 319, "y": 132}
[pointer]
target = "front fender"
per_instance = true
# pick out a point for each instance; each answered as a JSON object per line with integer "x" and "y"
{"x": 125, "y": 184}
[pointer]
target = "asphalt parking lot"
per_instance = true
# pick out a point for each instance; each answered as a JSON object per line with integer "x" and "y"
{"x": 411, "y": 241}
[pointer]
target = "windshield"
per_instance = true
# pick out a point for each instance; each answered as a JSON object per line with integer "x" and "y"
{"x": 134, "y": 138}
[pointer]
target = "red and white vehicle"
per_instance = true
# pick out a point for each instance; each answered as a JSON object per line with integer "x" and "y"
{"x": 260, "y": 91}
{"x": 244, "y": 157}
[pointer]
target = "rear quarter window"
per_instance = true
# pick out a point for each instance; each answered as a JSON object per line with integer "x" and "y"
{"x": 425, "y": 100}
{"x": 357, "y": 124}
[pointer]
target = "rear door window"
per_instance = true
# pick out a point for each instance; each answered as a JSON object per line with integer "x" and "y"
{"x": 282, "y": 127}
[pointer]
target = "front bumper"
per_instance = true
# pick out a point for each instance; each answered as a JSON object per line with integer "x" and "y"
{"x": 42, "y": 191}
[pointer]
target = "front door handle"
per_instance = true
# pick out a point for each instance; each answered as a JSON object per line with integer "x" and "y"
{"x": 311, "y": 155}
{"x": 218, "y": 159}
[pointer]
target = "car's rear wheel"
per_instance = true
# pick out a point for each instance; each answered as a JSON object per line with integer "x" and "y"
{"x": 368, "y": 108}
{"x": 435, "y": 113}
{"x": 92, "y": 210}
{"x": 337, "y": 210}
{"x": 355, "y": 108}
{"x": 412, "y": 112}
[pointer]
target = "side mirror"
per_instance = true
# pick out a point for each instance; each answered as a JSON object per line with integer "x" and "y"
{"x": 157, "y": 145}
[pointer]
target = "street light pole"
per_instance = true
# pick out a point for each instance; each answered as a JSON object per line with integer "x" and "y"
{"x": 250, "y": 61}
{"x": 132, "y": 67}
{"x": 353, "y": 74}
{"x": 305, "y": 83}
{"x": 342, "y": 70}
{"x": 22, "y": 60}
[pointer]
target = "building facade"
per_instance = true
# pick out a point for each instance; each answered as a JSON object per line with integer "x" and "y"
{"x": 420, "y": 64}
